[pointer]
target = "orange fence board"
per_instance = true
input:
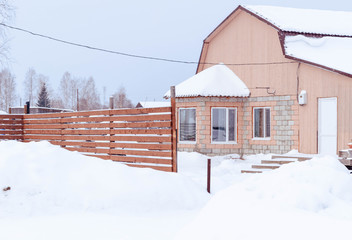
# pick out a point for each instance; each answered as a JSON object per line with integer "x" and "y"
{"x": 141, "y": 137}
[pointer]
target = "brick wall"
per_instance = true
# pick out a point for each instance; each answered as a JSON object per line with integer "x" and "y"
{"x": 284, "y": 125}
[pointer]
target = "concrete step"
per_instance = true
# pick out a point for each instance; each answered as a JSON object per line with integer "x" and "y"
{"x": 279, "y": 161}
{"x": 251, "y": 171}
{"x": 266, "y": 166}
{"x": 346, "y": 161}
{"x": 299, "y": 158}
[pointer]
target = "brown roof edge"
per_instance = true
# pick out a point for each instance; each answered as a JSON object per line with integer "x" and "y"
{"x": 225, "y": 20}
{"x": 318, "y": 65}
{"x": 207, "y": 42}
{"x": 202, "y": 53}
{"x": 239, "y": 7}
{"x": 282, "y": 36}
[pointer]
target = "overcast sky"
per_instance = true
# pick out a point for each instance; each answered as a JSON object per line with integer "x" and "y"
{"x": 157, "y": 28}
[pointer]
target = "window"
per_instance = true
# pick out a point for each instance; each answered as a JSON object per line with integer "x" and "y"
{"x": 224, "y": 125}
{"x": 261, "y": 122}
{"x": 187, "y": 128}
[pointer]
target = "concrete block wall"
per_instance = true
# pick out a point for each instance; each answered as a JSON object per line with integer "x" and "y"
{"x": 284, "y": 125}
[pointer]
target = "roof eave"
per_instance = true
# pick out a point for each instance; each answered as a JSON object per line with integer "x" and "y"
{"x": 282, "y": 35}
{"x": 319, "y": 65}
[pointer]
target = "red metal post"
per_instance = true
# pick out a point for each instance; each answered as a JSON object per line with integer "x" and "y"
{"x": 208, "y": 175}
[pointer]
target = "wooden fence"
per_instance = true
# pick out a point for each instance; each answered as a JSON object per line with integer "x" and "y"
{"x": 140, "y": 137}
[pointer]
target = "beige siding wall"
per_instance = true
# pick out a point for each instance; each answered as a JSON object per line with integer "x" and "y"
{"x": 320, "y": 83}
{"x": 247, "y": 40}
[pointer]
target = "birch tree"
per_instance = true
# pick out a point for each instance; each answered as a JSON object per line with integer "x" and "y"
{"x": 88, "y": 95}
{"x": 31, "y": 86}
{"x": 68, "y": 91}
{"x": 7, "y": 89}
{"x": 121, "y": 100}
{"x": 6, "y": 14}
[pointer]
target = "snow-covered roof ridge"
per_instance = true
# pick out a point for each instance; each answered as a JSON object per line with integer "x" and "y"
{"x": 216, "y": 81}
{"x": 309, "y": 21}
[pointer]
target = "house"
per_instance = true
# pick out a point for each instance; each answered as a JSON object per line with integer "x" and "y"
{"x": 296, "y": 65}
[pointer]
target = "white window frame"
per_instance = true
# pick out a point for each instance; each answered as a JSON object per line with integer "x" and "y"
{"x": 262, "y": 138}
{"x": 179, "y": 126}
{"x": 227, "y": 128}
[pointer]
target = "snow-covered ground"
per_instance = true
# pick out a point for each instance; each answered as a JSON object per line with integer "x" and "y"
{"x": 57, "y": 194}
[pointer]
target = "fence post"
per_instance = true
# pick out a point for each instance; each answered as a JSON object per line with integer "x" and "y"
{"x": 27, "y": 108}
{"x": 111, "y": 102}
{"x": 111, "y": 105}
{"x": 174, "y": 130}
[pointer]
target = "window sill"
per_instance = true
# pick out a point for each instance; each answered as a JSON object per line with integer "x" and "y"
{"x": 261, "y": 139}
{"x": 224, "y": 143}
{"x": 186, "y": 142}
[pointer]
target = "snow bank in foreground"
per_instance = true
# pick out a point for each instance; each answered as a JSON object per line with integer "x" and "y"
{"x": 48, "y": 179}
{"x": 303, "y": 200}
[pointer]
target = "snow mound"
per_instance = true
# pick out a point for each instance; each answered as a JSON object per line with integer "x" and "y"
{"x": 48, "y": 179}
{"x": 313, "y": 197}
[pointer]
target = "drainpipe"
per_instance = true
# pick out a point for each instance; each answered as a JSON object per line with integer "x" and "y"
{"x": 297, "y": 76}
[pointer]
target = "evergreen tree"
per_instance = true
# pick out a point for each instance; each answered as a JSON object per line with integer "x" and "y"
{"x": 43, "y": 98}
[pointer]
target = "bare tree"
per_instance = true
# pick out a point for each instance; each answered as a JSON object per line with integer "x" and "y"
{"x": 56, "y": 102}
{"x": 31, "y": 86}
{"x": 68, "y": 90}
{"x": 7, "y": 89}
{"x": 121, "y": 100}
{"x": 88, "y": 95}
{"x": 6, "y": 14}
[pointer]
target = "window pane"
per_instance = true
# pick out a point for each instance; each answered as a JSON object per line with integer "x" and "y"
{"x": 219, "y": 125}
{"x": 187, "y": 125}
{"x": 259, "y": 122}
{"x": 232, "y": 125}
{"x": 267, "y": 122}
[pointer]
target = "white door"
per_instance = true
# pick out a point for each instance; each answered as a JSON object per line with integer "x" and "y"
{"x": 327, "y": 126}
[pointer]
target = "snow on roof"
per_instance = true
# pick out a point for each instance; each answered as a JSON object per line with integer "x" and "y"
{"x": 306, "y": 20}
{"x": 147, "y": 104}
{"x": 2, "y": 112}
{"x": 216, "y": 81}
{"x": 332, "y": 52}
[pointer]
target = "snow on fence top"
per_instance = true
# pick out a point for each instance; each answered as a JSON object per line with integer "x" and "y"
{"x": 332, "y": 52}
{"x": 306, "y": 20}
{"x": 216, "y": 81}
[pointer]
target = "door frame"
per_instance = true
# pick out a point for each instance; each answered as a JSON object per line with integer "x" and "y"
{"x": 318, "y": 122}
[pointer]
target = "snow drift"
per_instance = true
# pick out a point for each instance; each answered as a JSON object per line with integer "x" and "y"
{"x": 304, "y": 200}
{"x": 48, "y": 179}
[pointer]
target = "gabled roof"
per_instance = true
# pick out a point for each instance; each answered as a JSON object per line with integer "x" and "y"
{"x": 216, "y": 81}
{"x": 333, "y": 27}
